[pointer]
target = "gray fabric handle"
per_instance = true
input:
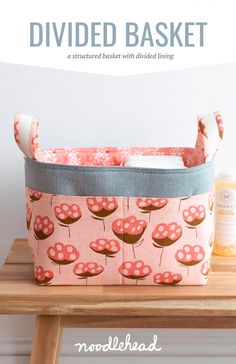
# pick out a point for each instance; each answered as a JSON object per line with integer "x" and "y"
{"x": 118, "y": 181}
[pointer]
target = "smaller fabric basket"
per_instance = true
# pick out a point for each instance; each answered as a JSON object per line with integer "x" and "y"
{"x": 93, "y": 221}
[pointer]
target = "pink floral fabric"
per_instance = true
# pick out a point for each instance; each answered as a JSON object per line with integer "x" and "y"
{"x": 119, "y": 241}
{"x": 204, "y": 150}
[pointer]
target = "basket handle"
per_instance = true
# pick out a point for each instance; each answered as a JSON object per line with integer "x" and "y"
{"x": 26, "y": 134}
{"x": 210, "y": 134}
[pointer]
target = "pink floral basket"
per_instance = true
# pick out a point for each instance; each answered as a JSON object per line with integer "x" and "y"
{"x": 93, "y": 221}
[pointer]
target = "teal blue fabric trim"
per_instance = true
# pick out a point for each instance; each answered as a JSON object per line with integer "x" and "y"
{"x": 118, "y": 181}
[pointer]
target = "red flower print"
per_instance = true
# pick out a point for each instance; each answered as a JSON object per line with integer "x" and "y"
{"x": 43, "y": 227}
{"x": 43, "y": 277}
{"x": 106, "y": 247}
{"x": 220, "y": 125}
{"x": 101, "y": 207}
{"x": 135, "y": 270}
{"x": 194, "y": 216}
{"x": 129, "y": 230}
{"x": 167, "y": 278}
{"x": 62, "y": 254}
{"x": 34, "y": 195}
{"x": 211, "y": 202}
{"x": 205, "y": 268}
{"x": 190, "y": 255}
{"x": 28, "y": 215}
{"x": 87, "y": 270}
{"x": 151, "y": 204}
{"x": 165, "y": 235}
{"x": 67, "y": 214}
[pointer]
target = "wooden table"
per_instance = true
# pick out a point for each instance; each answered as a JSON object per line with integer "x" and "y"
{"x": 210, "y": 306}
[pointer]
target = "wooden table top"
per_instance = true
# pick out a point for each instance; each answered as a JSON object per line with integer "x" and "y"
{"x": 20, "y": 295}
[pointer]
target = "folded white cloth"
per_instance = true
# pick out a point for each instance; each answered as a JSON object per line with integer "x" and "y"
{"x": 155, "y": 161}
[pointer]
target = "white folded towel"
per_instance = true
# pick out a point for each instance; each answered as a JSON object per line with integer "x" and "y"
{"x": 155, "y": 161}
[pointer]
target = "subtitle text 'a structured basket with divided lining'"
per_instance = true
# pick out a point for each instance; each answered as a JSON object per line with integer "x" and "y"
{"x": 92, "y": 220}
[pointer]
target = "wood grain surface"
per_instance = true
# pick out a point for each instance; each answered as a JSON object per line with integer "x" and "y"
{"x": 47, "y": 340}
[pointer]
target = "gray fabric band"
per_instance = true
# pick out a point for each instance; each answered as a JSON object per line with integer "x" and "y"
{"x": 118, "y": 181}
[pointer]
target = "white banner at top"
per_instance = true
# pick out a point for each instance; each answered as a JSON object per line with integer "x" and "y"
{"x": 118, "y": 37}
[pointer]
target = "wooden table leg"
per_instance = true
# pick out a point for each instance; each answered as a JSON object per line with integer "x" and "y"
{"x": 46, "y": 342}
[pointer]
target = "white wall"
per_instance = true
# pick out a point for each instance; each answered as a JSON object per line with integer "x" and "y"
{"x": 82, "y": 109}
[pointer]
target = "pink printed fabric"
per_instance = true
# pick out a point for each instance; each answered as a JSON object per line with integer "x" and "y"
{"x": 80, "y": 240}
{"x": 204, "y": 150}
{"x": 111, "y": 156}
{"x": 120, "y": 241}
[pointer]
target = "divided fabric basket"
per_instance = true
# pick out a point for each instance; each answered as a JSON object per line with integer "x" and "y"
{"x": 93, "y": 221}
